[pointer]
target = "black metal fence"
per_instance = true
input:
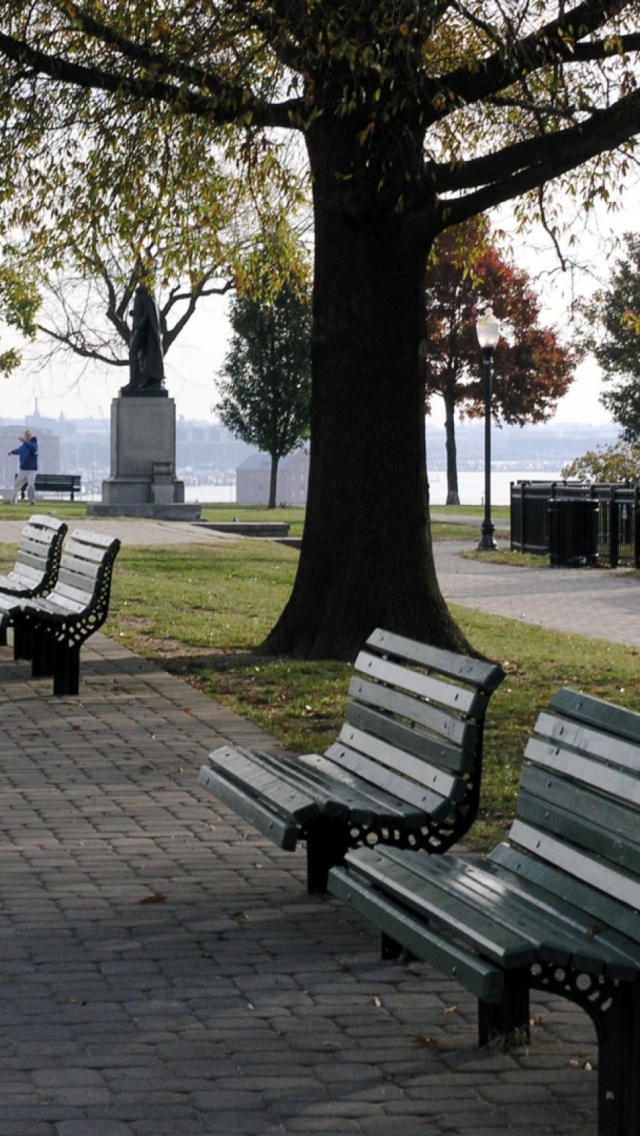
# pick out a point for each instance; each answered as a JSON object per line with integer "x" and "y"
{"x": 577, "y": 523}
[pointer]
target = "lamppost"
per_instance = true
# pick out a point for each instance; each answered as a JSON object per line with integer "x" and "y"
{"x": 488, "y": 332}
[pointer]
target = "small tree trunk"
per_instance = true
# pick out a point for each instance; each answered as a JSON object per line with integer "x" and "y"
{"x": 273, "y": 482}
{"x": 452, "y": 456}
{"x": 366, "y": 559}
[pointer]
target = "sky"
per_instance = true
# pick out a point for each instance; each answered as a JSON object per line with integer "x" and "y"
{"x": 80, "y": 390}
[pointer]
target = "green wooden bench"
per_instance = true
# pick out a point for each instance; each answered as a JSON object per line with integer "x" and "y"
{"x": 58, "y": 483}
{"x": 37, "y": 562}
{"x": 554, "y": 909}
{"x": 405, "y": 770}
{"x": 51, "y": 630}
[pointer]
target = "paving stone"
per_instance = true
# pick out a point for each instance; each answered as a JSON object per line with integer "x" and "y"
{"x": 163, "y": 972}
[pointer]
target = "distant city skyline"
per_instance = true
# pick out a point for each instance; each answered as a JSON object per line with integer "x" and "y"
{"x": 190, "y": 369}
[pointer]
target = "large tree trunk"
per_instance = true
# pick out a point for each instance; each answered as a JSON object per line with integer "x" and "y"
{"x": 452, "y": 456}
{"x": 366, "y": 557}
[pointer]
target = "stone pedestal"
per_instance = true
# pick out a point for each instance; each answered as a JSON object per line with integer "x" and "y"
{"x": 143, "y": 452}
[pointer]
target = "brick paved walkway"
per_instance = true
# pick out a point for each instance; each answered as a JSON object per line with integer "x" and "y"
{"x": 164, "y": 973}
{"x": 162, "y": 970}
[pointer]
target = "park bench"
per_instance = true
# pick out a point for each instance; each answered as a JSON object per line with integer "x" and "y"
{"x": 555, "y": 908}
{"x": 406, "y": 768}
{"x": 36, "y": 568}
{"x": 58, "y": 483}
{"x": 51, "y": 630}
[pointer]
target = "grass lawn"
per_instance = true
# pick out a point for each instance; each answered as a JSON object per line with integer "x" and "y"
{"x": 203, "y": 611}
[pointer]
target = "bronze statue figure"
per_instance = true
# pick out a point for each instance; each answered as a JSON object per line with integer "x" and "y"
{"x": 146, "y": 364}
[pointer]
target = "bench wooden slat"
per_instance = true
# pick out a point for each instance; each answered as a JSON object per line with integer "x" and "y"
{"x": 434, "y": 718}
{"x": 406, "y": 737}
{"x": 604, "y": 812}
{"x": 495, "y": 943}
{"x": 312, "y": 781}
{"x": 313, "y": 778}
{"x": 603, "y": 909}
{"x": 88, "y": 539}
{"x": 595, "y": 745}
{"x": 421, "y": 796}
{"x": 77, "y": 580}
{"x": 576, "y": 828}
{"x": 78, "y": 583}
{"x": 392, "y": 762}
{"x": 424, "y": 685}
{"x": 366, "y": 799}
{"x": 284, "y": 833}
{"x": 529, "y": 883}
{"x": 481, "y": 674}
{"x": 563, "y": 933}
{"x": 32, "y": 550}
{"x": 27, "y": 572}
{"x": 482, "y": 979}
{"x": 577, "y": 863}
{"x": 245, "y": 771}
{"x": 583, "y": 769}
{"x": 61, "y": 608}
{"x": 615, "y": 720}
{"x": 31, "y": 564}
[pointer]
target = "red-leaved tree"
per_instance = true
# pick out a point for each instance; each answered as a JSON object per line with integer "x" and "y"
{"x": 532, "y": 369}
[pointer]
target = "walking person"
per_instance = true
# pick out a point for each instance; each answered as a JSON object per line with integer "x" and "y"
{"x": 27, "y": 452}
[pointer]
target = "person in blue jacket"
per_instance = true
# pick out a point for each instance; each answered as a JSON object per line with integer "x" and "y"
{"x": 27, "y": 452}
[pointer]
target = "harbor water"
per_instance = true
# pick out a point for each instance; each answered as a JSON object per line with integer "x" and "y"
{"x": 470, "y": 486}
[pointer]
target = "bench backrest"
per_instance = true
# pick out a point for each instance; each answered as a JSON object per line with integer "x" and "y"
{"x": 577, "y": 830}
{"x": 68, "y": 481}
{"x": 86, "y": 568}
{"x": 418, "y": 711}
{"x": 38, "y": 558}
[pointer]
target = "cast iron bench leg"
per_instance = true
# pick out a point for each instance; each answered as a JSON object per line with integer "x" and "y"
{"x": 505, "y": 1018}
{"x": 21, "y": 637}
{"x": 327, "y": 844}
{"x": 42, "y": 653}
{"x": 618, "y": 1028}
{"x": 66, "y": 675}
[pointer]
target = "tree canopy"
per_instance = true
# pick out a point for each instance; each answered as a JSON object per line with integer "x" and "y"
{"x": 612, "y": 318}
{"x": 265, "y": 382}
{"x": 19, "y": 303}
{"x": 415, "y": 117}
{"x": 607, "y": 464}
{"x": 532, "y": 369}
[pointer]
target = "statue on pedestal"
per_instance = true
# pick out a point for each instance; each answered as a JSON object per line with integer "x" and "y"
{"x": 146, "y": 363}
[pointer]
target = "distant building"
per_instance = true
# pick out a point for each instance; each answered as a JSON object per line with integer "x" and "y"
{"x": 208, "y": 446}
{"x": 253, "y": 477}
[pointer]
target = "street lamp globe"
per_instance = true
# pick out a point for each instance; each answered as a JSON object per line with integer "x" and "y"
{"x": 488, "y": 330}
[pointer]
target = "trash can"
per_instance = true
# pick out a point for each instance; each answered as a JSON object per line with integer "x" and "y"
{"x": 573, "y": 532}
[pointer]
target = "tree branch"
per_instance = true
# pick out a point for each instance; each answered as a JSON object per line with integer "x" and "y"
{"x": 229, "y": 105}
{"x": 602, "y": 130}
{"x": 80, "y": 349}
{"x": 553, "y": 42}
{"x": 503, "y": 177}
